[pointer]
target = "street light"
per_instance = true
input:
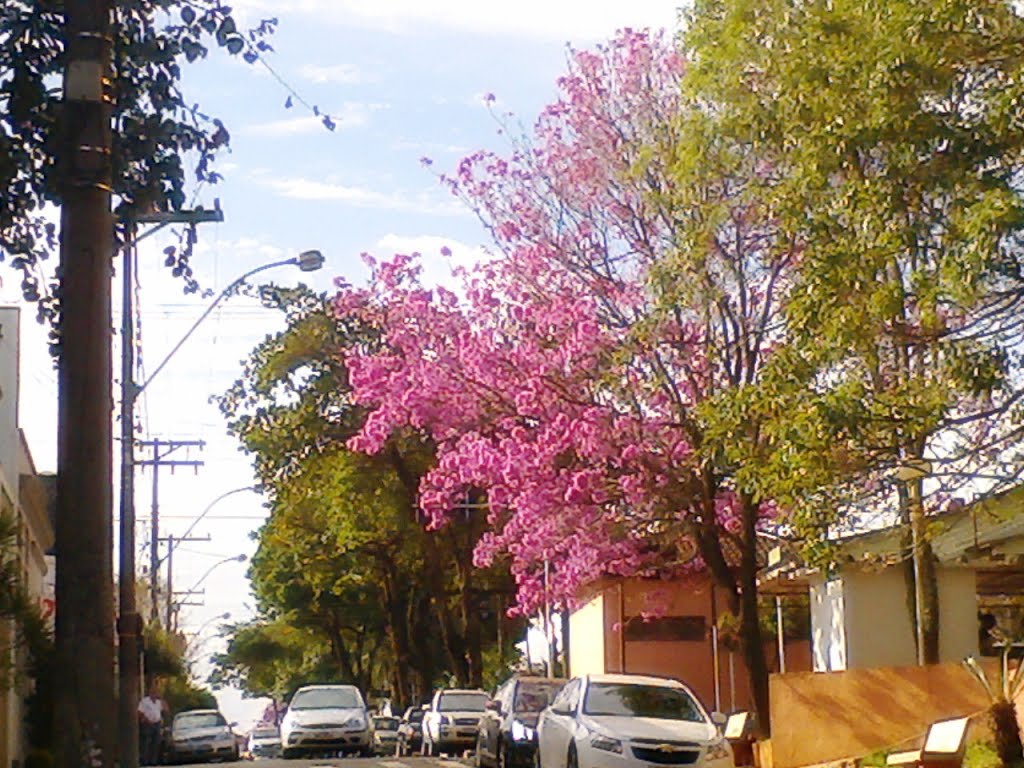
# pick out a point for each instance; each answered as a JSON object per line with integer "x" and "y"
{"x": 215, "y": 566}
{"x": 129, "y": 624}
{"x": 173, "y": 542}
{"x": 172, "y": 607}
{"x": 219, "y": 617}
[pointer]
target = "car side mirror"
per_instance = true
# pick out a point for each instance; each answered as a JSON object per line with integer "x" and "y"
{"x": 719, "y": 718}
{"x": 493, "y": 706}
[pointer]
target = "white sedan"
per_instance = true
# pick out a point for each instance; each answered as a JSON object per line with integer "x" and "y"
{"x": 629, "y": 721}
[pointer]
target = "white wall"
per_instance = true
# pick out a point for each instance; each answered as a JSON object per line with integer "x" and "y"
{"x": 879, "y": 631}
{"x": 828, "y": 625}
{"x": 586, "y": 638}
{"x": 863, "y": 619}
{"x": 958, "y": 614}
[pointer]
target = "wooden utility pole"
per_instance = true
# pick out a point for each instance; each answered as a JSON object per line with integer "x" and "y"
{"x": 85, "y": 601}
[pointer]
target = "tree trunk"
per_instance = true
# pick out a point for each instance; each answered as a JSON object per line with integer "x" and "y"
{"x": 1006, "y": 734}
{"x": 751, "y": 638}
{"x": 398, "y": 637}
{"x": 929, "y": 582}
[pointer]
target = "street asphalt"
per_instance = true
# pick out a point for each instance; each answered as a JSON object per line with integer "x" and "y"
{"x": 348, "y": 762}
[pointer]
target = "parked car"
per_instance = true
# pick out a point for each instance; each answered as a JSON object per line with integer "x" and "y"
{"x": 199, "y": 735}
{"x": 264, "y": 741}
{"x": 629, "y": 721}
{"x": 410, "y": 732}
{"x": 451, "y": 722}
{"x": 324, "y": 719}
{"x": 385, "y": 735}
{"x": 507, "y": 736}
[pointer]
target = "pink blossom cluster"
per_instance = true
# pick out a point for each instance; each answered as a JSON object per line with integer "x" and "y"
{"x": 553, "y": 382}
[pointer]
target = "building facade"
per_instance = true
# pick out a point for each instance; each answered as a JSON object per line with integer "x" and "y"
{"x": 25, "y": 498}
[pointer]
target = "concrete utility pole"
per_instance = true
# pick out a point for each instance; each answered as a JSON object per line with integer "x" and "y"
{"x": 161, "y": 450}
{"x": 172, "y": 542}
{"x": 129, "y": 623}
{"x": 84, "y": 590}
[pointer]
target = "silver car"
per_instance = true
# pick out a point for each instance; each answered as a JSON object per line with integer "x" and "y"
{"x": 202, "y": 734}
{"x": 325, "y": 719}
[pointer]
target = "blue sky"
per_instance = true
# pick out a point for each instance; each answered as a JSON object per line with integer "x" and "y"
{"x": 405, "y": 79}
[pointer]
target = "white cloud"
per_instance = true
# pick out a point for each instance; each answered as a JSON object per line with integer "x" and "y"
{"x": 362, "y": 197}
{"x": 337, "y": 73}
{"x": 578, "y": 21}
{"x": 352, "y": 114}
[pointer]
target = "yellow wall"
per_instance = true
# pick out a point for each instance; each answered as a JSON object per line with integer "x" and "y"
{"x": 847, "y": 715}
{"x": 586, "y": 638}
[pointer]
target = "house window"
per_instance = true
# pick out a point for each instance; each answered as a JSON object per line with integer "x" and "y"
{"x": 666, "y": 628}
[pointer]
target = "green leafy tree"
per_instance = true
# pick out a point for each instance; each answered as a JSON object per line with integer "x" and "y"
{"x": 889, "y": 154}
{"x": 163, "y": 143}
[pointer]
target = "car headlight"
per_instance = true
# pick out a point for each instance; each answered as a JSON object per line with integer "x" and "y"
{"x": 353, "y": 722}
{"x": 718, "y": 750}
{"x": 606, "y": 744}
{"x": 445, "y": 720}
{"x": 521, "y": 732}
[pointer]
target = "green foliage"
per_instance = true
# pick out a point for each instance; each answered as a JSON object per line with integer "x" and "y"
{"x": 162, "y": 653}
{"x": 17, "y": 605}
{"x": 888, "y": 147}
{"x": 181, "y": 695}
{"x": 980, "y": 754}
{"x": 163, "y": 141}
{"x": 272, "y": 658}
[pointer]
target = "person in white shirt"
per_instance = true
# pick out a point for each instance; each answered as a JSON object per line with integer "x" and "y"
{"x": 151, "y": 716}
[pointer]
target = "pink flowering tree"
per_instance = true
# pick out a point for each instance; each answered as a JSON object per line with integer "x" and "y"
{"x": 576, "y": 379}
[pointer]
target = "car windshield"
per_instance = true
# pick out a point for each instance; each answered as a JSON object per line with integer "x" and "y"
{"x": 657, "y": 701}
{"x": 326, "y": 698}
{"x": 534, "y": 696}
{"x": 462, "y": 702}
{"x": 385, "y": 723}
{"x": 265, "y": 733}
{"x": 189, "y": 720}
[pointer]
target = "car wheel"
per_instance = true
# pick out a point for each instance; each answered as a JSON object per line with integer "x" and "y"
{"x": 289, "y": 754}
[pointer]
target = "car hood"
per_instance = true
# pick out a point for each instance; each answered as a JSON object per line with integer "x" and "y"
{"x": 461, "y": 714}
{"x": 331, "y": 716}
{"x": 198, "y": 733}
{"x": 633, "y": 728}
{"x": 263, "y": 741}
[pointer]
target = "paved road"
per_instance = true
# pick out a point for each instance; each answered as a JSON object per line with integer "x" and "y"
{"x": 348, "y": 762}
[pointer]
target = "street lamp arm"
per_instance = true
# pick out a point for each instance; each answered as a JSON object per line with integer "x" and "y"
{"x": 215, "y": 566}
{"x": 213, "y": 503}
{"x": 206, "y": 313}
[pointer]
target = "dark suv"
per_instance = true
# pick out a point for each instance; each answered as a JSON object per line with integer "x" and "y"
{"x": 507, "y": 738}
